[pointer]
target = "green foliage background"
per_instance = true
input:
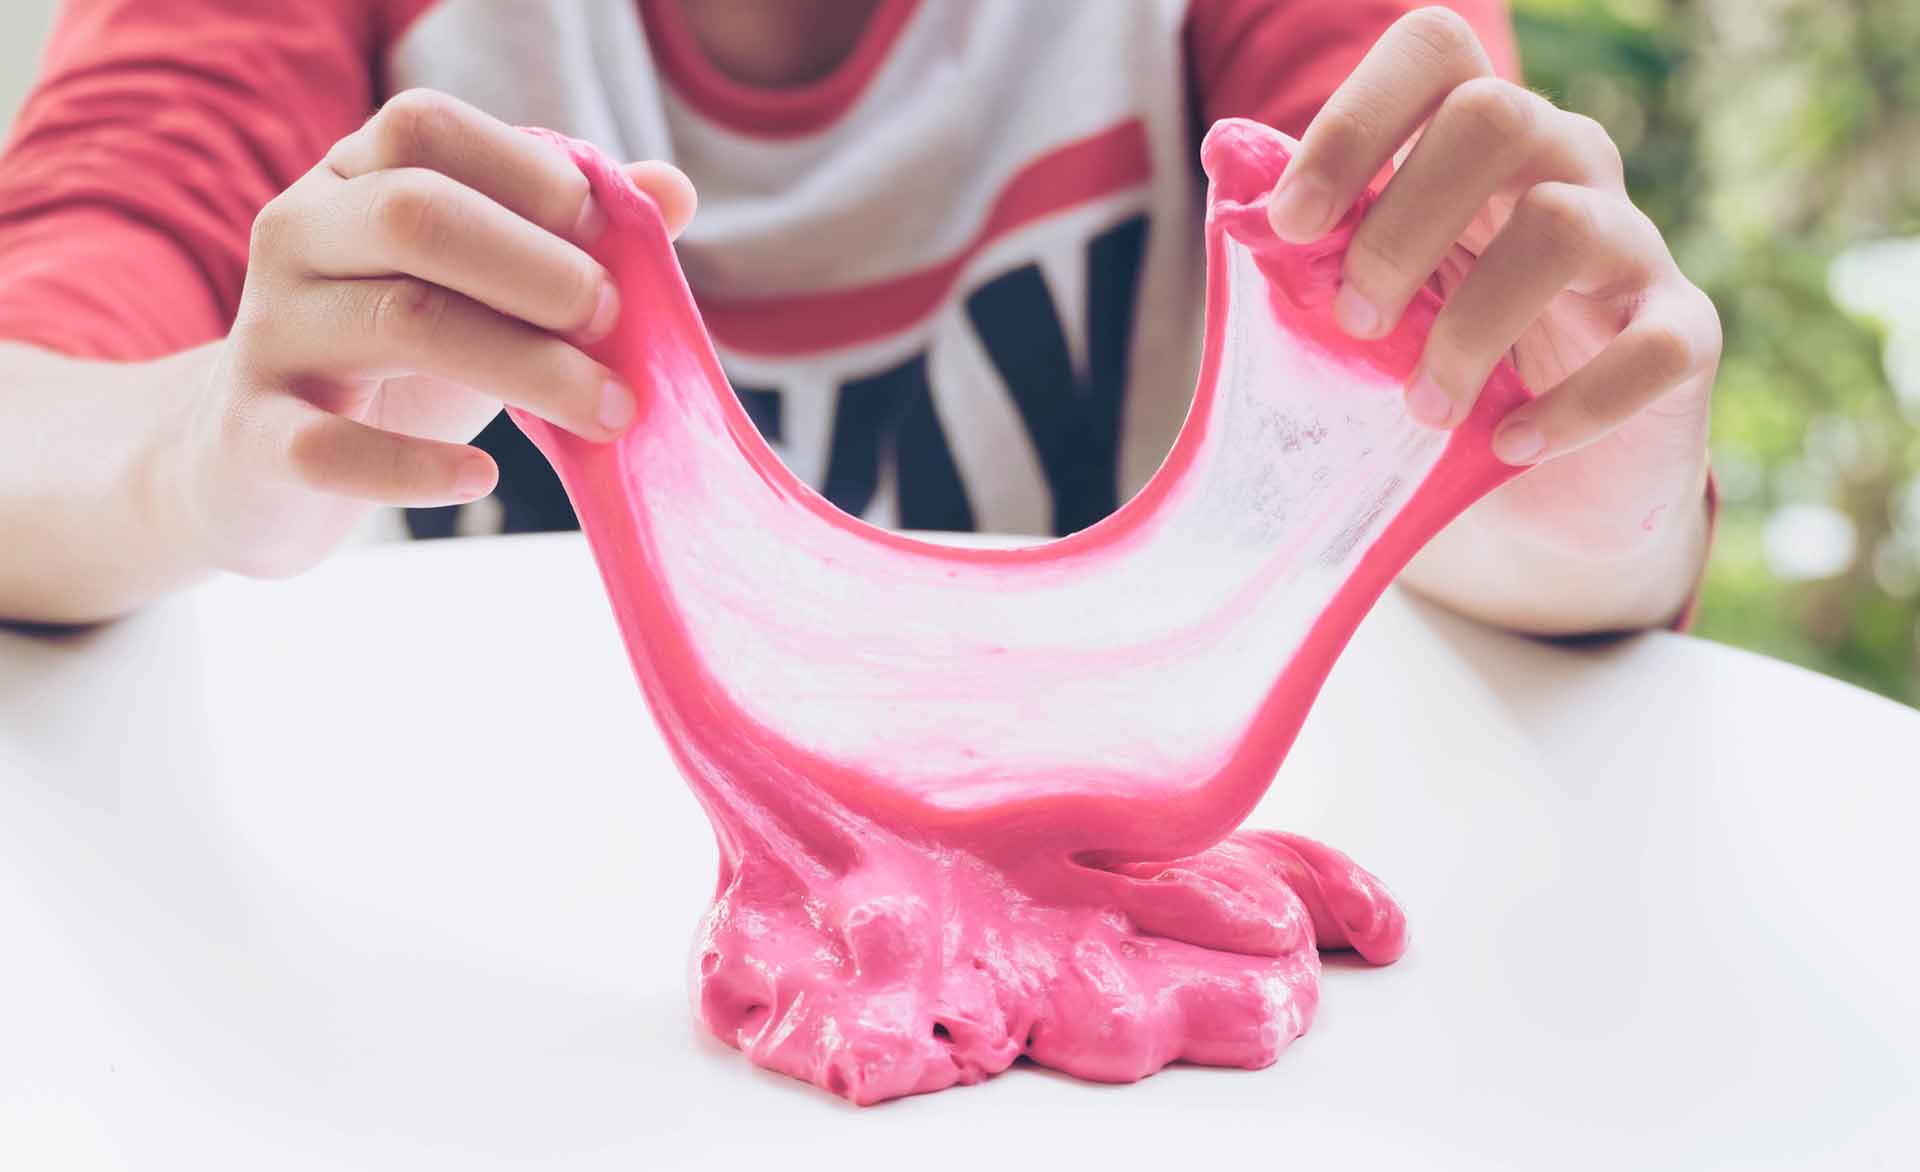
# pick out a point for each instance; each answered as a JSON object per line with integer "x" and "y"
{"x": 1766, "y": 136}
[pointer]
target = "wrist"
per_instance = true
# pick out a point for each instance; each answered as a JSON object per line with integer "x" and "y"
{"x": 80, "y": 461}
{"x": 165, "y": 483}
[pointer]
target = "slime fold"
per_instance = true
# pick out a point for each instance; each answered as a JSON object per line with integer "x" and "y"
{"x": 979, "y": 803}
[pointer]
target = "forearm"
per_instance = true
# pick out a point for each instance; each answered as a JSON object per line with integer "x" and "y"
{"x": 90, "y": 522}
{"x": 1490, "y": 570}
{"x": 127, "y": 188}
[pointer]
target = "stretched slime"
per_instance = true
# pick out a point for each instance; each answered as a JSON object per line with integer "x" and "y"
{"x": 979, "y": 803}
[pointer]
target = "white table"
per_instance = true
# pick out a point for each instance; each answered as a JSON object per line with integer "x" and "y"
{"x": 384, "y": 868}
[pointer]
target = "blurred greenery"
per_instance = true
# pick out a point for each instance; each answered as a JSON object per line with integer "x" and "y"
{"x": 1767, "y": 137}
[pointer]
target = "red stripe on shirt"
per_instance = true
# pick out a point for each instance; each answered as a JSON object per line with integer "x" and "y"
{"x": 1100, "y": 165}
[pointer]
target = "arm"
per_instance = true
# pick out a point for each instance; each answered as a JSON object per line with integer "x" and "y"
{"x": 85, "y": 522}
{"x": 1518, "y": 214}
{"x": 126, "y": 192}
{"x": 200, "y": 370}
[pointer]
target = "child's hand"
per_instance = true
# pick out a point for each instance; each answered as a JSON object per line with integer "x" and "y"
{"x": 1520, "y": 211}
{"x": 428, "y": 270}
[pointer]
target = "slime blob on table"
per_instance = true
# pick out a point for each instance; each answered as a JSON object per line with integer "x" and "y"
{"x": 977, "y": 804}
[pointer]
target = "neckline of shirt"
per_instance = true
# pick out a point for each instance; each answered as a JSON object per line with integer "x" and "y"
{"x": 787, "y": 112}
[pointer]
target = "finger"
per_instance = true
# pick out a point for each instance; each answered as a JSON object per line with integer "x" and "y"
{"x": 1488, "y": 136}
{"x": 1415, "y": 64}
{"x": 1560, "y": 237}
{"x": 670, "y": 188}
{"x": 423, "y": 224}
{"x": 526, "y": 175}
{"x": 1673, "y": 339}
{"x": 329, "y": 454}
{"x": 339, "y": 457}
{"x": 393, "y": 325}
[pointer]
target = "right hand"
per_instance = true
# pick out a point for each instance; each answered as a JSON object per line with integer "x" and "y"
{"x": 427, "y": 271}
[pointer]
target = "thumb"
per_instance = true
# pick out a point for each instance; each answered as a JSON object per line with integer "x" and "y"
{"x": 669, "y": 187}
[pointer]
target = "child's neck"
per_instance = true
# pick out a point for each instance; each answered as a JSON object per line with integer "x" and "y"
{"x": 777, "y": 44}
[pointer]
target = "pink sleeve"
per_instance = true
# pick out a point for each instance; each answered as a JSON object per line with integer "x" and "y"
{"x": 1276, "y": 61}
{"x": 155, "y": 133}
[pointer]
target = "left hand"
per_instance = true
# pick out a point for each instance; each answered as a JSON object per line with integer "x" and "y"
{"x": 1518, "y": 212}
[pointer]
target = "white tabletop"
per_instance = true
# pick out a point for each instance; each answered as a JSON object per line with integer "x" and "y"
{"x": 385, "y": 868}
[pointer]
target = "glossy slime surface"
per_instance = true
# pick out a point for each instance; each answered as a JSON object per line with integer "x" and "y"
{"x": 973, "y": 804}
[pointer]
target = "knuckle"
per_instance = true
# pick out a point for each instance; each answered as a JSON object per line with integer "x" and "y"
{"x": 410, "y": 122}
{"x": 1559, "y": 217}
{"x": 409, "y": 216}
{"x": 273, "y": 229}
{"x": 1353, "y": 125}
{"x": 407, "y": 312}
{"x": 1596, "y": 143}
{"x": 1493, "y": 109}
{"x": 1667, "y": 349}
{"x": 1441, "y": 32}
{"x": 579, "y": 289}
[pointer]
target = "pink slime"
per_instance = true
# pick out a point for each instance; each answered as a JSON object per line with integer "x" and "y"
{"x": 973, "y": 804}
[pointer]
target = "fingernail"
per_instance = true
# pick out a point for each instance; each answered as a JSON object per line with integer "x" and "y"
{"x": 1518, "y": 442}
{"x": 1355, "y": 313}
{"x": 616, "y": 406}
{"x": 1428, "y": 404}
{"x": 606, "y": 312}
{"x": 590, "y": 223}
{"x": 1300, "y": 208}
{"x": 473, "y": 481}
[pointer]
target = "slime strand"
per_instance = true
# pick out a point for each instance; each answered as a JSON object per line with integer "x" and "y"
{"x": 973, "y": 804}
